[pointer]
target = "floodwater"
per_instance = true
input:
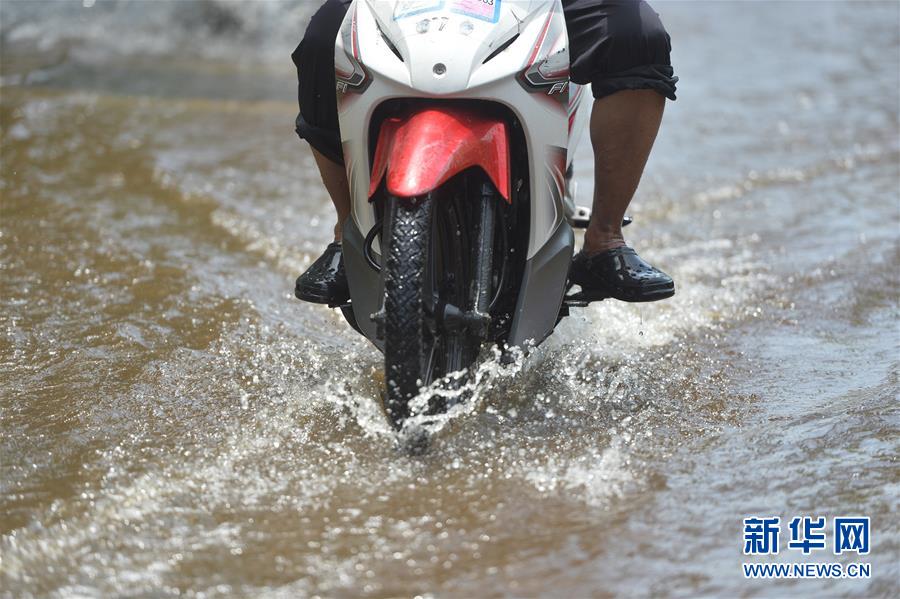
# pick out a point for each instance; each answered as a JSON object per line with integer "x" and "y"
{"x": 173, "y": 422}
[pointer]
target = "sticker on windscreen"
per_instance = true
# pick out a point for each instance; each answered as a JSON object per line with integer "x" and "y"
{"x": 411, "y": 8}
{"x": 486, "y": 10}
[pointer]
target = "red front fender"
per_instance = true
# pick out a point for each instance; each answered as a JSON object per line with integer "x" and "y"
{"x": 422, "y": 150}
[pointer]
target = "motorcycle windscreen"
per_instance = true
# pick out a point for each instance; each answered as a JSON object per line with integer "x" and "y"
{"x": 419, "y": 152}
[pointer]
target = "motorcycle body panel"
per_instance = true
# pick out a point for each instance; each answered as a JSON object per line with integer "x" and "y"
{"x": 419, "y": 152}
{"x": 512, "y": 53}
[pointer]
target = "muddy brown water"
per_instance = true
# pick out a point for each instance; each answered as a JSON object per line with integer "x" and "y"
{"x": 173, "y": 422}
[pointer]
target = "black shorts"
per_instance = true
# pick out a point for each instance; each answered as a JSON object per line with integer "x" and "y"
{"x": 613, "y": 45}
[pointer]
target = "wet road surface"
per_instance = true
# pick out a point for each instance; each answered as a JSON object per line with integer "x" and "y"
{"x": 173, "y": 422}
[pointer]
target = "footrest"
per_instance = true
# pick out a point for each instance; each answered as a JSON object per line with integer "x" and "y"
{"x": 582, "y": 218}
{"x": 583, "y": 298}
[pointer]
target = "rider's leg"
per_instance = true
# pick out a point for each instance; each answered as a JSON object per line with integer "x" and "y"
{"x": 324, "y": 281}
{"x": 334, "y": 177}
{"x": 622, "y": 49}
{"x": 623, "y": 128}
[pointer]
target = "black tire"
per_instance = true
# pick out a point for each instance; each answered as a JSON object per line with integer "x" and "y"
{"x": 420, "y": 257}
{"x": 406, "y": 346}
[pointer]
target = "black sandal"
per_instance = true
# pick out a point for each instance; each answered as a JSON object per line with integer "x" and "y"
{"x": 325, "y": 281}
{"x": 620, "y": 274}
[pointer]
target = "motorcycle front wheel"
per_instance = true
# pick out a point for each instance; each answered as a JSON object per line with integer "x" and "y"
{"x": 425, "y": 265}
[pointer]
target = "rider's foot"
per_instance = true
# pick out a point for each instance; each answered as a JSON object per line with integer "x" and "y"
{"x": 621, "y": 274}
{"x": 325, "y": 282}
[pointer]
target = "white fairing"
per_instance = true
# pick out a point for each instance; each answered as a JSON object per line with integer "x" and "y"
{"x": 442, "y": 47}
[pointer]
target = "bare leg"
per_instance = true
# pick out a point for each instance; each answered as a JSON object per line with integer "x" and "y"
{"x": 623, "y": 128}
{"x": 335, "y": 179}
{"x": 325, "y": 282}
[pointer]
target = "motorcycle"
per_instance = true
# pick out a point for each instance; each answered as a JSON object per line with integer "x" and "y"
{"x": 458, "y": 124}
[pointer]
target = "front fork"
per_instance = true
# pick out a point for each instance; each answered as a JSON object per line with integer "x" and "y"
{"x": 474, "y": 318}
{"x": 484, "y": 255}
